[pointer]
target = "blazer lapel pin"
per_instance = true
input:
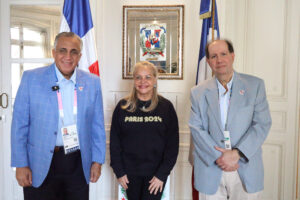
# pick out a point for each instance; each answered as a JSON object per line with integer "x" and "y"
{"x": 80, "y": 88}
{"x": 242, "y": 92}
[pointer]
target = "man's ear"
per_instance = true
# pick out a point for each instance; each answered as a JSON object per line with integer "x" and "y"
{"x": 208, "y": 61}
{"x": 233, "y": 56}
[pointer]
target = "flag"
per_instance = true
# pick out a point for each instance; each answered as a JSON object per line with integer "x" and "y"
{"x": 77, "y": 18}
{"x": 203, "y": 71}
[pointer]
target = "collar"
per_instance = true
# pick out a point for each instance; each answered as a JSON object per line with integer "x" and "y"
{"x": 221, "y": 88}
{"x": 61, "y": 78}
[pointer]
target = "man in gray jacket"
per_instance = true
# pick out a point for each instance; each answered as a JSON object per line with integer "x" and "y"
{"x": 230, "y": 120}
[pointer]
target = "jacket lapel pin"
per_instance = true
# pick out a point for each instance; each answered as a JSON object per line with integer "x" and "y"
{"x": 80, "y": 88}
{"x": 242, "y": 92}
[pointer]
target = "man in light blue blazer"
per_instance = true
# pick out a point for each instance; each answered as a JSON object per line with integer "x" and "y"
{"x": 229, "y": 122}
{"x": 51, "y": 101}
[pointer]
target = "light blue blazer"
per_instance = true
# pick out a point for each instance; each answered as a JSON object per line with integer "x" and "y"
{"x": 35, "y": 122}
{"x": 248, "y": 121}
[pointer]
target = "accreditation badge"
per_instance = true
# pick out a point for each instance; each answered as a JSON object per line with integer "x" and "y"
{"x": 70, "y": 138}
{"x": 227, "y": 139}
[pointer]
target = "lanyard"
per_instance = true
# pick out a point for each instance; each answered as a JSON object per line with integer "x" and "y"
{"x": 60, "y": 104}
{"x": 226, "y": 108}
{"x": 226, "y": 104}
{"x": 226, "y": 133}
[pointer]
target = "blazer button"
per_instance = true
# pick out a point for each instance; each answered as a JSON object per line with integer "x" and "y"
{"x": 55, "y": 133}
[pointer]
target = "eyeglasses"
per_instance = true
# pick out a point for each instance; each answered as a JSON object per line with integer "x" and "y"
{"x": 139, "y": 78}
{"x": 64, "y": 52}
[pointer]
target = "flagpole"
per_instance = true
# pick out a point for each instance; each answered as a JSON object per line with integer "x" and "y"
{"x": 213, "y": 20}
{"x": 213, "y": 25}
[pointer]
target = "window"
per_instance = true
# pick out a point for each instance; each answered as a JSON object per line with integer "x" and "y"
{"x": 32, "y": 33}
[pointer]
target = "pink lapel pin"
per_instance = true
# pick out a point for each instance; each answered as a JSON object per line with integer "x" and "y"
{"x": 242, "y": 92}
{"x": 80, "y": 88}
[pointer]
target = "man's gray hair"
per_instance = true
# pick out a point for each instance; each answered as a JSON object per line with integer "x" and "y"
{"x": 67, "y": 34}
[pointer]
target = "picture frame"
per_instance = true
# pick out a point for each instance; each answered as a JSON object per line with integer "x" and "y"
{"x": 155, "y": 34}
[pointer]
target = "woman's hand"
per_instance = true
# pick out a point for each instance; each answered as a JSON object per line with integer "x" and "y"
{"x": 155, "y": 185}
{"x": 123, "y": 181}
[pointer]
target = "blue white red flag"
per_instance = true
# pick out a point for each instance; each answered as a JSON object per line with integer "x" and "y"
{"x": 77, "y": 18}
{"x": 203, "y": 71}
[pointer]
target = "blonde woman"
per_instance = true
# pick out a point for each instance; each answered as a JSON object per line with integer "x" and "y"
{"x": 144, "y": 137}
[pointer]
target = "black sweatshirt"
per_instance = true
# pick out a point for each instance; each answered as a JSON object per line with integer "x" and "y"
{"x": 144, "y": 143}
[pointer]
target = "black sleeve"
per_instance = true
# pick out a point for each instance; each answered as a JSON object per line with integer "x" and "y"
{"x": 115, "y": 143}
{"x": 172, "y": 145}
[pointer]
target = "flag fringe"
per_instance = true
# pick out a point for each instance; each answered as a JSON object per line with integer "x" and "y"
{"x": 205, "y": 15}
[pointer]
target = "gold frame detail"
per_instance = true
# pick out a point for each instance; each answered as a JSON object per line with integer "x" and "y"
{"x": 168, "y": 20}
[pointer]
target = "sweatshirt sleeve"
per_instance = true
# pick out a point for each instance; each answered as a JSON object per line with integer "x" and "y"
{"x": 172, "y": 145}
{"x": 115, "y": 144}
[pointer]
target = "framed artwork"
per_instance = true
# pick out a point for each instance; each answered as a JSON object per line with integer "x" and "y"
{"x": 154, "y": 34}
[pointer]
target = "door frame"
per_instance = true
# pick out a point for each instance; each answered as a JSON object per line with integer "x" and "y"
{"x": 8, "y": 173}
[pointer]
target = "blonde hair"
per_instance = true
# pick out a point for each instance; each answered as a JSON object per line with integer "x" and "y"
{"x": 132, "y": 99}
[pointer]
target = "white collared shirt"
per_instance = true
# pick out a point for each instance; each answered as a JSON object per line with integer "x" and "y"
{"x": 66, "y": 88}
{"x": 224, "y": 101}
